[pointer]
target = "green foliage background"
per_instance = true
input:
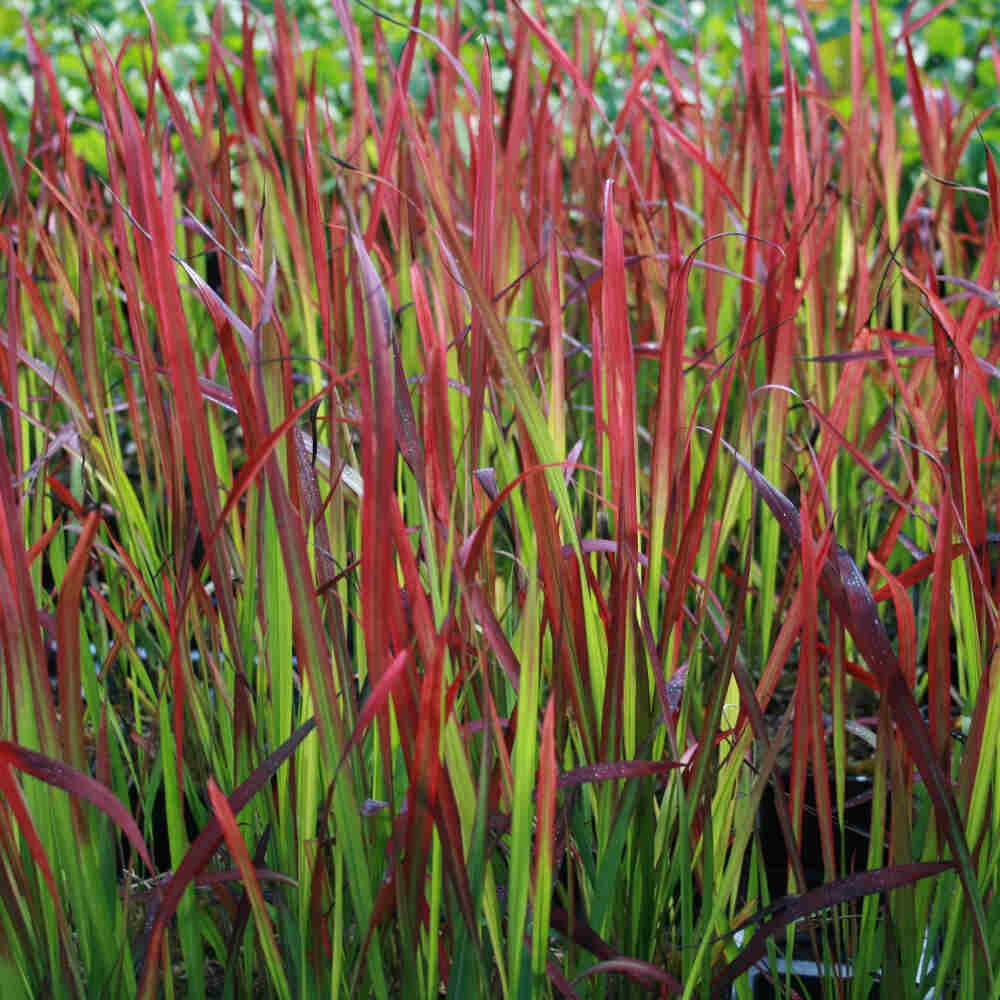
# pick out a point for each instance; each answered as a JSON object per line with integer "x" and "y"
{"x": 954, "y": 47}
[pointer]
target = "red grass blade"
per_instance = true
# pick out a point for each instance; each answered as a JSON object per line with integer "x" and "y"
{"x": 795, "y": 908}
{"x": 644, "y": 973}
{"x": 68, "y": 650}
{"x": 910, "y": 27}
{"x": 80, "y": 786}
{"x": 484, "y": 237}
{"x": 616, "y": 770}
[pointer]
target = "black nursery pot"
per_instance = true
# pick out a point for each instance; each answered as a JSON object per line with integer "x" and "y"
{"x": 808, "y": 976}
{"x": 853, "y": 827}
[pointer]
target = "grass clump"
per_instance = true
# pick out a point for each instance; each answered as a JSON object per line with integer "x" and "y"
{"x": 431, "y": 535}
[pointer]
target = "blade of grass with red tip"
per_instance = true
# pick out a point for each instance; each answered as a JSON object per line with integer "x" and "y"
{"x": 484, "y": 237}
{"x": 615, "y": 371}
{"x": 666, "y": 461}
{"x": 888, "y": 153}
{"x": 939, "y": 636}
{"x": 237, "y": 846}
{"x": 808, "y": 681}
{"x": 68, "y": 653}
{"x": 381, "y": 612}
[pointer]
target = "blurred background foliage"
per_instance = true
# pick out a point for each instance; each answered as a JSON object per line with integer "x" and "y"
{"x": 954, "y": 48}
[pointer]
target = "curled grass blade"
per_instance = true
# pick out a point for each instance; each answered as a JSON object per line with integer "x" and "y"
{"x": 795, "y": 908}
